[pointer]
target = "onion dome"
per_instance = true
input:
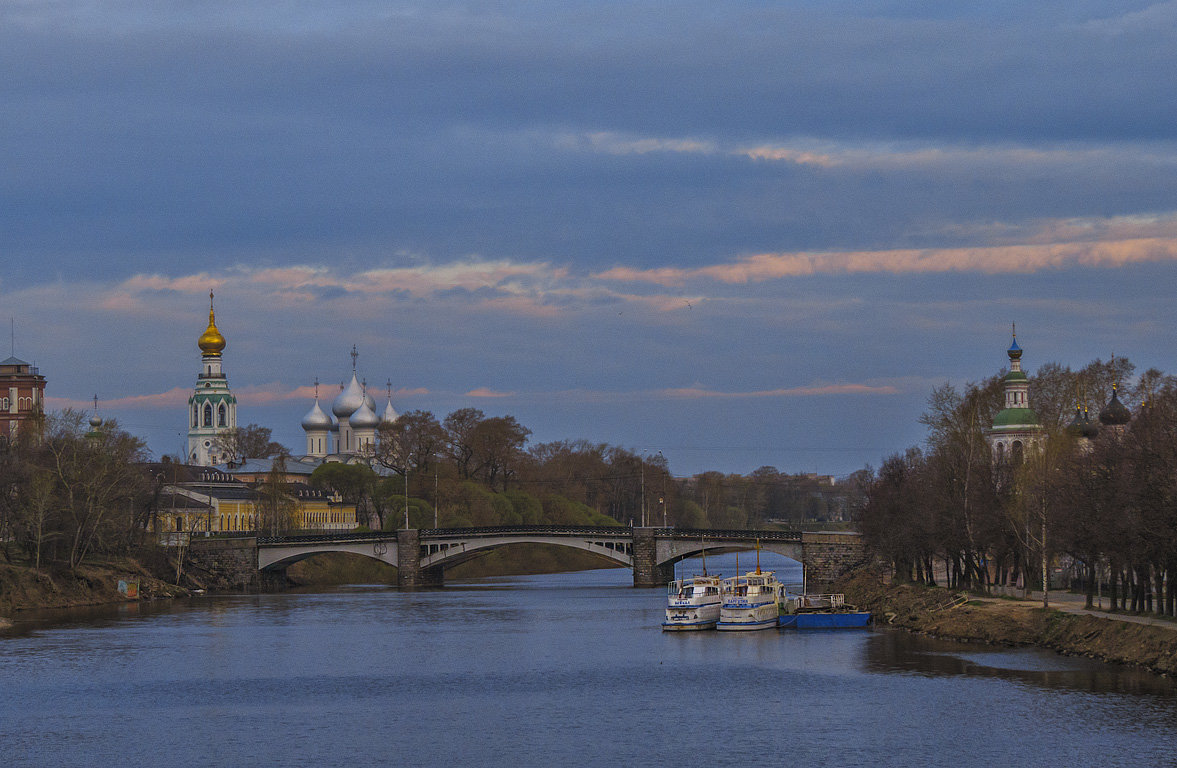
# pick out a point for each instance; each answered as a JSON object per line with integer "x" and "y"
{"x": 368, "y": 401}
{"x": 389, "y": 415}
{"x": 349, "y": 400}
{"x": 1115, "y": 413}
{"x": 1090, "y": 428}
{"x": 316, "y": 420}
{"x": 1014, "y": 351}
{"x": 364, "y": 418}
{"x": 211, "y": 342}
{"x": 1075, "y": 426}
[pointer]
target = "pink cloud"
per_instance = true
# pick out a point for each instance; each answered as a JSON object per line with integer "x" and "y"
{"x": 177, "y": 397}
{"x": 1006, "y": 259}
{"x": 486, "y": 392}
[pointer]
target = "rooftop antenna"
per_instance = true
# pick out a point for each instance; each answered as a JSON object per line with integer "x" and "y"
{"x": 354, "y": 355}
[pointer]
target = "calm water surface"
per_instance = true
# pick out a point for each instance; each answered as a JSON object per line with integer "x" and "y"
{"x": 535, "y": 671}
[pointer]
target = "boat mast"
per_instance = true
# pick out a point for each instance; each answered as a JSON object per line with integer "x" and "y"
{"x": 704, "y": 555}
{"x": 758, "y": 557}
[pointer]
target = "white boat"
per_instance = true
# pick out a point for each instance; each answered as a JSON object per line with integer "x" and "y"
{"x": 693, "y": 603}
{"x": 750, "y": 601}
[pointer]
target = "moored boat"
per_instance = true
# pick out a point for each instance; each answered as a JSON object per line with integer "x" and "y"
{"x": 693, "y": 603}
{"x": 820, "y": 612}
{"x": 749, "y": 601}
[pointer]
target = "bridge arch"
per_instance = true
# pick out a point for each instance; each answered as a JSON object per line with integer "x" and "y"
{"x": 443, "y": 554}
{"x": 278, "y": 558}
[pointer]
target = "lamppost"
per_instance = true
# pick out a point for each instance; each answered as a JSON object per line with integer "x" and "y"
{"x": 662, "y": 498}
{"x": 642, "y": 459}
{"x": 406, "y": 496}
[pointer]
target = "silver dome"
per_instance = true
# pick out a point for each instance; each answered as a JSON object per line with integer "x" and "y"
{"x": 316, "y": 419}
{"x": 364, "y": 418}
{"x": 349, "y": 400}
{"x": 389, "y": 415}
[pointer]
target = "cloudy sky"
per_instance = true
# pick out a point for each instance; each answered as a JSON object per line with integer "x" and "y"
{"x": 737, "y": 233}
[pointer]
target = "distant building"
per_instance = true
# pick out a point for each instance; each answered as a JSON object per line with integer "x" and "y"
{"x": 212, "y": 408}
{"x": 22, "y": 395}
{"x": 197, "y": 500}
{"x": 1015, "y": 428}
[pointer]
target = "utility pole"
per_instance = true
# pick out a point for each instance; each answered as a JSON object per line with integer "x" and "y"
{"x": 642, "y": 459}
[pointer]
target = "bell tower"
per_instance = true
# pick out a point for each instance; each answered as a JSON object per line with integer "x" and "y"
{"x": 212, "y": 408}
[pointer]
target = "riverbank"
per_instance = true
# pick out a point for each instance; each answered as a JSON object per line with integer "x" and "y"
{"x": 939, "y": 612}
{"x": 25, "y": 588}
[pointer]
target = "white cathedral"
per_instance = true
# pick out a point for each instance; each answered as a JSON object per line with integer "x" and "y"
{"x": 347, "y": 435}
{"x": 350, "y": 430}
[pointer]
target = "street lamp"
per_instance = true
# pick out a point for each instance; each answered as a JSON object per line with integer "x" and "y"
{"x": 642, "y": 459}
{"x": 406, "y": 496}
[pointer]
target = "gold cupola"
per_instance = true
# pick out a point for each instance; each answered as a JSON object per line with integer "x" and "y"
{"x": 211, "y": 342}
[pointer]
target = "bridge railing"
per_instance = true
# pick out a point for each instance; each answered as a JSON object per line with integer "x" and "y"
{"x": 602, "y": 531}
{"x": 323, "y": 538}
{"x": 715, "y": 533}
{"x": 508, "y": 530}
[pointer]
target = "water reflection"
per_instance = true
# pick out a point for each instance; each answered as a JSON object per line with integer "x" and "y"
{"x": 893, "y": 650}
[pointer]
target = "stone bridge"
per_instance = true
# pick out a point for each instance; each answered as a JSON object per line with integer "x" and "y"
{"x": 421, "y": 556}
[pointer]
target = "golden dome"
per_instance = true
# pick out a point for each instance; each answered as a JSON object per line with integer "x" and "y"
{"x": 211, "y": 342}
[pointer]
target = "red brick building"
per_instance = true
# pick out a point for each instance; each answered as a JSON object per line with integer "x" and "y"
{"x": 22, "y": 394}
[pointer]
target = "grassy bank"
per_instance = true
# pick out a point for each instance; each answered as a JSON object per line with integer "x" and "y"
{"x": 930, "y": 610}
{"x": 25, "y": 588}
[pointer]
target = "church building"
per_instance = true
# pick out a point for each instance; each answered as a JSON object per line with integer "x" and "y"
{"x": 212, "y": 408}
{"x": 1015, "y": 428}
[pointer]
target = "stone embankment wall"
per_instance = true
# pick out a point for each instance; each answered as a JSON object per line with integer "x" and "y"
{"x": 227, "y": 564}
{"x": 829, "y": 556}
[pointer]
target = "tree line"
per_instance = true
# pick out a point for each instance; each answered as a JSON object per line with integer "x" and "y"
{"x": 472, "y": 469}
{"x": 1101, "y": 499}
{"x": 70, "y": 492}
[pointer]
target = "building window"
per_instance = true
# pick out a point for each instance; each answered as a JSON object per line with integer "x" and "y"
{"x": 208, "y": 414}
{"x": 222, "y": 415}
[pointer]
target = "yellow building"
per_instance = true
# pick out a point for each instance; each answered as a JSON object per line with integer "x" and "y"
{"x": 205, "y": 500}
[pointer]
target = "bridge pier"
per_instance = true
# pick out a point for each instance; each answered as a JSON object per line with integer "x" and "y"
{"x": 828, "y": 555}
{"x": 646, "y": 570}
{"x": 409, "y": 573}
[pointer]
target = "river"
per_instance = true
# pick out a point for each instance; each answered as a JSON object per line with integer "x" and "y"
{"x": 564, "y": 669}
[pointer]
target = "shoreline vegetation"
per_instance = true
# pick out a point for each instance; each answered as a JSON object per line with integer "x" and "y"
{"x": 939, "y": 612}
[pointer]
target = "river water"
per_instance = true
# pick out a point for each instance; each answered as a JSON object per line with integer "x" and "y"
{"x": 564, "y": 669}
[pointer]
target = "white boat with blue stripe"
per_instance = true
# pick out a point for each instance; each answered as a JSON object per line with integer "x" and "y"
{"x": 750, "y": 601}
{"x": 693, "y": 603}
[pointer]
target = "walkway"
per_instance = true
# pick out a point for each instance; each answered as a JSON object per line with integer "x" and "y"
{"x": 1072, "y": 602}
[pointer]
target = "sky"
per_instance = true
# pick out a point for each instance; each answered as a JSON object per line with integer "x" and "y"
{"x": 739, "y": 234}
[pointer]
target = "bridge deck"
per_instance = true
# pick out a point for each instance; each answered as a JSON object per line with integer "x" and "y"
{"x": 426, "y": 534}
